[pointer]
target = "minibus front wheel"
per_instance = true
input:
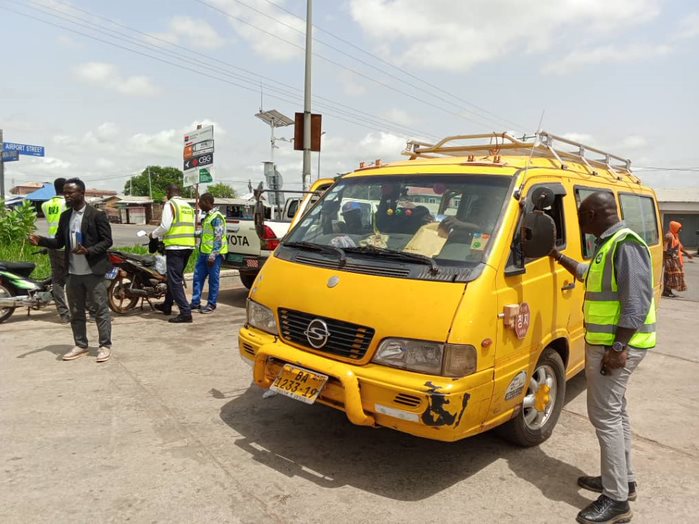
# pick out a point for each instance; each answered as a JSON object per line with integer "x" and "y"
{"x": 542, "y": 403}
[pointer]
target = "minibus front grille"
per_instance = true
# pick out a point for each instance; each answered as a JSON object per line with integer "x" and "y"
{"x": 344, "y": 339}
{"x": 354, "y": 267}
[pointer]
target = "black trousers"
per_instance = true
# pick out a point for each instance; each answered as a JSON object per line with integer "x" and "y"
{"x": 89, "y": 291}
{"x": 176, "y": 260}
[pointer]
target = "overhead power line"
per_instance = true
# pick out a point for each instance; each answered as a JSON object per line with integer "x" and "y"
{"x": 433, "y": 90}
{"x": 349, "y": 115}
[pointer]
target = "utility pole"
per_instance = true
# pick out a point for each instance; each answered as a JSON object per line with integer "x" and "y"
{"x": 131, "y": 186}
{"x": 2, "y": 169}
{"x": 307, "y": 100}
{"x": 150, "y": 187}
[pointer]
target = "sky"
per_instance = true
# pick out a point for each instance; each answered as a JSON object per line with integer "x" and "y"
{"x": 111, "y": 87}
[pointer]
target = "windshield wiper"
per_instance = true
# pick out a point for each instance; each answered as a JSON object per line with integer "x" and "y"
{"x": 398, "y": 255}
{"x": 320, "y": 248}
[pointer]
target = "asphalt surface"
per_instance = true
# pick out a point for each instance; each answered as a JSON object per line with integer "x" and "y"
{"x": 171, "y": 430}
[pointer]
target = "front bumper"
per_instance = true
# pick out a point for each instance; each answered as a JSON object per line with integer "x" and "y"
{"x": 373, "y": 395}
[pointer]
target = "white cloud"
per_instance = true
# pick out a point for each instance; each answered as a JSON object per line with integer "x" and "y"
{"x": 608, "y": 54}
{"x": 689, "y": 26}
{"x": 448, "y": 35}
{"x": 193, "y": 32}
{"x": 271, "y": 33}
{"x": 351, "y": 85}
{"x": 399, "y": 116}
{"x": 633, "y": 142}
{"x": 107, "y": 75}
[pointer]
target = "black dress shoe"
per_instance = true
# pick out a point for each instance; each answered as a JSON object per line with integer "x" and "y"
{"x": 595, "y": 484}
{"x": 605, "y": 511}
{"x": 164, "y": 309}
{"x": 181, "y": 319}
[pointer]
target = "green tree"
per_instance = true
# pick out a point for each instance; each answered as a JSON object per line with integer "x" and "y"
{"x": 160, "y": 178}
{"x": 221, "y": 190}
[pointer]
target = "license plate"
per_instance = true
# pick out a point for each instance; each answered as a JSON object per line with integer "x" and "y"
{"x": 299, "y": 384}
{"x": 252, "y": 262}
{"x": 112, "y": 273}
{"x": 234, "y": 258}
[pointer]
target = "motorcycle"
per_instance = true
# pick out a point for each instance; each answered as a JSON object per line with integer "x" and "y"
{"x": 18, "y": 289}
{"x": 136, "y": 277}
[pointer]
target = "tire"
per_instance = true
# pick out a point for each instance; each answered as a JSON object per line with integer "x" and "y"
{"x": 118, "y": 301}
{"x": 531, "y": 427}
{"x": 6, "y": 312}
{"x": 248, "y": 279}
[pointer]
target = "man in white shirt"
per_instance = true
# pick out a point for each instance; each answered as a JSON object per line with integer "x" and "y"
{"x": 177, "y": 226}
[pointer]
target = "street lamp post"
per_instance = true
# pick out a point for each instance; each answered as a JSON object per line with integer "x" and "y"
{"x": 307, "y": 100}
{"x": 321, "y": 136}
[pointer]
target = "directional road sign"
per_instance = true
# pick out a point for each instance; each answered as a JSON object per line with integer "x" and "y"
{"x": 198, "y": 152}
{"x": 24, "y": 149}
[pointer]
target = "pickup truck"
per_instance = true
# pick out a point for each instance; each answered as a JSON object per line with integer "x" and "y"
{"x": 252, "y": 241}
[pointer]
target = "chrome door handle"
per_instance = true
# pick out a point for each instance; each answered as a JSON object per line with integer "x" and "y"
{"x": 568, "y": 286}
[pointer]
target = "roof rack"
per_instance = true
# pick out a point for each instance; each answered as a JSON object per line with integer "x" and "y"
{"x": 540, "y": 144}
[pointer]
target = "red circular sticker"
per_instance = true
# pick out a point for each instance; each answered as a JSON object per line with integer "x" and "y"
{"x": 522, "y": 321}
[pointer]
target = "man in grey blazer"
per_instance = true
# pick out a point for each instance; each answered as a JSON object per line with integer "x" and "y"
{"x": 86, "y": 234}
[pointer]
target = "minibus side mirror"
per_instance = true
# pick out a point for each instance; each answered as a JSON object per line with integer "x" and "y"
{"x": 538, "y": 234}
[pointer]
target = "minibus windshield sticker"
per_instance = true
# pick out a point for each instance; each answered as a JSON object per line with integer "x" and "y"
{"x": 479, "y": 241}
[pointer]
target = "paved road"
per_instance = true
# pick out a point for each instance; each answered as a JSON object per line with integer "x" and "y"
{"x": 124, "y": 235}
{"x": 170, "y": 430}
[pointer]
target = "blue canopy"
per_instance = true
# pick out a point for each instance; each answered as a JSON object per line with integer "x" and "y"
{"x": 42, "y": 194}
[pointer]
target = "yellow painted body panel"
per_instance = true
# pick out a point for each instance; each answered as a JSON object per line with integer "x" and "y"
{"x": 438, "y": 407}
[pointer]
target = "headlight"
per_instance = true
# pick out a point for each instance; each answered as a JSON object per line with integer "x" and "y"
{"x": 261, "y": 317}
{"x": 449, "y": 360}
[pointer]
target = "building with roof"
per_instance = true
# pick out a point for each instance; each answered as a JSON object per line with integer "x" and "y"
{"x": 681, "y": 205}
{"x": 127, "y": 209}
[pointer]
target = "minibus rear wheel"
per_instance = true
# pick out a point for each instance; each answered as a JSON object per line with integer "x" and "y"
{"x": 542, "y": 403}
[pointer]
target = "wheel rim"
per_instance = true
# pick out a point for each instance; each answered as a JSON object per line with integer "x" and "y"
{"x": 4, "y": 293}
{"x": 117, "y": 297}
{"x": 540, "y": 400}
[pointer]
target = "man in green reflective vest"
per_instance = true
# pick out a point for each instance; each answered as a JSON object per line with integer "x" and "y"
{"x": 212, "y": 250}
{"x": 177, "y": 232}
{"x": 52, "y": 210}
{"x": 619, "y": 312}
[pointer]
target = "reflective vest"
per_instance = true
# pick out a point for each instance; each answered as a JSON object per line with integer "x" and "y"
{"x": 181, "y": 232}
{"x": 52, "y": 210}
{"x": 602, "y": 307}
{"x": 208, "y": 236}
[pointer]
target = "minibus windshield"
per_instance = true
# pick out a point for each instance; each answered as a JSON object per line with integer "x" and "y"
{"x": 446, "y": 219}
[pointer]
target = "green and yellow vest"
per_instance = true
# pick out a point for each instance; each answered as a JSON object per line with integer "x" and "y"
{"x": 181, "y": 232}
{"x": 52, "y": 210}
{"x": 602, "y": 308}
{"x": 208, "y": 236}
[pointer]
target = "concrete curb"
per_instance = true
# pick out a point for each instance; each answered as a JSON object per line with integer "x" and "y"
{"x": 225, "y": 273}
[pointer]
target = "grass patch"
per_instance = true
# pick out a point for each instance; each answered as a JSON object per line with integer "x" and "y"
{"x": 23, "y": 252}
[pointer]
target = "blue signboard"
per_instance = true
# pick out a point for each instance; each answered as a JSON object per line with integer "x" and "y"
{"x": 10, "y": 156}
{"x": 24, "y": 149}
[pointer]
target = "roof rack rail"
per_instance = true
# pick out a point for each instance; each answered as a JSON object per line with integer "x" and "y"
{"x": 540, "y": 144}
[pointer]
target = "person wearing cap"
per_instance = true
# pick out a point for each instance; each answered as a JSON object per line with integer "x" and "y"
{"x": 52, "y": 210}
{"x": 352, "y": 215}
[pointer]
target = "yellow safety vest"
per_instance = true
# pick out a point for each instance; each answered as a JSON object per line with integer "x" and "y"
{"x": 181, "y": 232}
{"x": 52, "y": 210}
{"x": 602, "y": 308}
{"x": 208, "y": 236}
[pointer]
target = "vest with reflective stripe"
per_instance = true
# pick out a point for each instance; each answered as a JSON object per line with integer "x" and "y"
{"x": 181, "y": 232}
{"x": 602, "y": 307}
{"x": 208, "y": 236}
{"x": 52, "y": 210}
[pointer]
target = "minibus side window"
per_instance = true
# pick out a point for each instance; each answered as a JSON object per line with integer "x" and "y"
{"x": 639, "y": 214}
{"x": 587, "y": 241}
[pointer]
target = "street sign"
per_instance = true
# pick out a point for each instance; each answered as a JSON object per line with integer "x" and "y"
{"x": 199, "y": 161}
{"x": 10, "y": 156}
{"x": 24, "y": 149}
{"x": 198, "y": 152}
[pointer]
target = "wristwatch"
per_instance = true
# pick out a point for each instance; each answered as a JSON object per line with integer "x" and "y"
{"x": 618, "y": 347}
